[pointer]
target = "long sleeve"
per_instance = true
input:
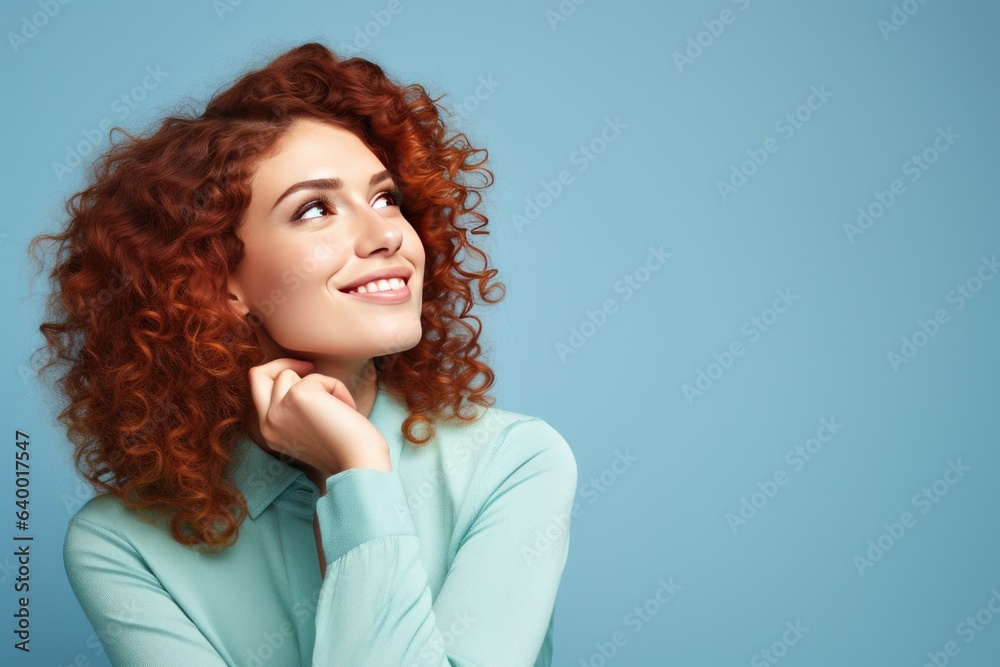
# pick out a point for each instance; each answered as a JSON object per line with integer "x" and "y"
{"x": 497, "y": 600}
{"x": 136, "y": 620}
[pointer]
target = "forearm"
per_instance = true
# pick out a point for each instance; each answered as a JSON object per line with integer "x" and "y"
{"x": 375, "y": 607}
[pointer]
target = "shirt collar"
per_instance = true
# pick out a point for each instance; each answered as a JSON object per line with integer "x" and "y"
{"x": 264, "y": 479}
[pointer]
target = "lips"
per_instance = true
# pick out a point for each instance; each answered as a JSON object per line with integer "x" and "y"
{"x": 381, "y": 274}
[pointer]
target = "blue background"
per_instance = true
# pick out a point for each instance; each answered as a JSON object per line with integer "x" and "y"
{"x": 683, "y": 127}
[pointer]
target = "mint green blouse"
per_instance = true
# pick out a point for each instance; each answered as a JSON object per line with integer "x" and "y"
{"x": 452, "y": 558}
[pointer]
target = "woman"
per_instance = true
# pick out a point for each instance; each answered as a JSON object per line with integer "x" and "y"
{"x": 277, "y": 400}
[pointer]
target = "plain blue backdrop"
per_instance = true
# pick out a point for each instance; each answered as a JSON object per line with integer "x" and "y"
{"x": 749, "y": 249}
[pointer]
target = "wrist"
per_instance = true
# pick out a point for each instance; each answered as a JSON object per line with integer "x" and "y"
{"x": 374, "y": 462}
{"x": 374, "y": 456}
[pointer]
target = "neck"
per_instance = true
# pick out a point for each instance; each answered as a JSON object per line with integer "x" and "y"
{"x": 358, "y": 376}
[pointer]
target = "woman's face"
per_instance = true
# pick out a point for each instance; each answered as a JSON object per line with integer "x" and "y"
{"x": 323, "y": 216}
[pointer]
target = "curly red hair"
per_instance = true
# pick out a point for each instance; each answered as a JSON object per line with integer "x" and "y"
{"x": 156, "y": 360}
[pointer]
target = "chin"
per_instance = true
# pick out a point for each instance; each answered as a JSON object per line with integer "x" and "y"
{"x": 396, "y": 340}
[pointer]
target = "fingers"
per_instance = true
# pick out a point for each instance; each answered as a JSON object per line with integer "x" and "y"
{"x": 270, "y": 382}
{"x": 284, "y": 380}
{"x": 263, "y": 381}
{"x": 334, "y": 387}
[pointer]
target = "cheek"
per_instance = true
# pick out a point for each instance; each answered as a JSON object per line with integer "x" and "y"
{"x": 270, "y": 272}
{"x": 287, "y": 268}
{"x": 417, "y": 247}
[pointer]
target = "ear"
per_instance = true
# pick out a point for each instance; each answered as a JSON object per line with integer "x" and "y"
{"x": 236, "y": 298}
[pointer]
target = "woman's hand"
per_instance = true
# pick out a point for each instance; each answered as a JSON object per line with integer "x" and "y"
{"x": 314, "y": 418}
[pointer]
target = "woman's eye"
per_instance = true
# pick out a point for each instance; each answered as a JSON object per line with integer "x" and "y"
{"x": 391, "y": 197}
{"x": 317, "y": 205}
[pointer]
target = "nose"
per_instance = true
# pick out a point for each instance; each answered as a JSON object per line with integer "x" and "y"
{"x": 375, "y": 233}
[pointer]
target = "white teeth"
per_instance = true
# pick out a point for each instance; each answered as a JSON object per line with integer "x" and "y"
{"x": 381, "y": 286}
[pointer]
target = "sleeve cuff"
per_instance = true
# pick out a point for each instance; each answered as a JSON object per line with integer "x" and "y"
{"x": 360, "y": 505}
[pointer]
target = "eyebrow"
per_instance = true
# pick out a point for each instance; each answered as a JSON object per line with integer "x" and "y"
{"x": 328, "y": 184}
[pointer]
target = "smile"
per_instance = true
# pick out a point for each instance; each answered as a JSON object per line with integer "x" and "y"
{"x": 391, "y": 284}
{"x": 392, "y": 290}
